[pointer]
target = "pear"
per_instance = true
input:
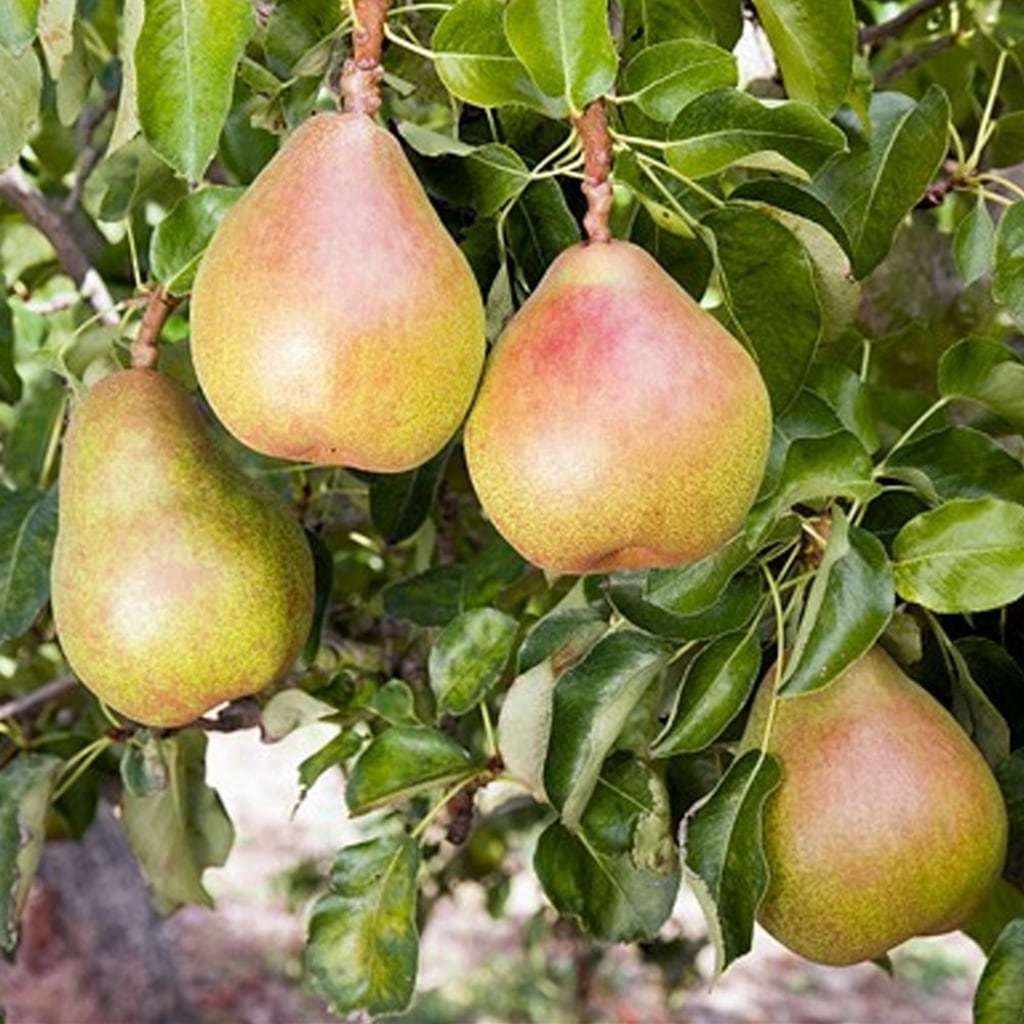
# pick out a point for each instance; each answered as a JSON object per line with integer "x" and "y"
{"x": 177, "y": 582}
{"x": 334, "y": 320}
{"x": 619, "y": 425}
{"x": 887, "y": 822}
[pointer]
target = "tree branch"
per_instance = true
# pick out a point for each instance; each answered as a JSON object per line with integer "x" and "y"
{"x": 911, "y": 60}
{"x": 90, "y": 150}
{"x": 20, "y": 193}
{"x": 361, "y": 75}
{"x": 592, "y": 128}
{"x": 34, "y": 701}
{"x": 145, "y": 350}
{"x": 871, "y": 35}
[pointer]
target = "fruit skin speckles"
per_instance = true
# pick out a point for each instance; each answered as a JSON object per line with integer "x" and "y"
{"x": 619, "y": 425}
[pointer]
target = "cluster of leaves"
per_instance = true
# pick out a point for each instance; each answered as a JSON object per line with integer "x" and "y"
{"x": 892, "y": 509}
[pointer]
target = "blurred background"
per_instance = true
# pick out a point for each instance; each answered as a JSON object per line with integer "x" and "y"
{"x": 240, "y": 963}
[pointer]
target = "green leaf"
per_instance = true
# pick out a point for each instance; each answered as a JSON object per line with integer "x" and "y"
{"x": 26, "y": 785}
{"x": 1000, "y": 995}
{"x": 185, "y": 64}
{"x": 178, "y": 832}
{"x": 290, "y": 710}
{"x": 663, "y": 78}
{"x": 874, "y": 186}
{"x": 984, "y": 372}
{"x": 401, "y": 762}
{"x": 323, "y": 588}
{"x": 847, "y": 609}
{"x": 18, "y": 23}
{"x": 965, "y": 556}
{"x": 19, "y": 103}
{"x": 28, "y": 530}
{"x": 976, "y": 713}
{"x": 431, "y": 598}
{"x": 1007, "y": 145}
{"x": 974, "y": 243}
{"x": 1003, "y": 903}
{"x": 768, "y": 286}
{"x": 814, "y": 44}
{"x": 716, "y": 686}
{"x": 143, "y": 767}
{"x": 723, "y": 855}
{"x": 564, "y": 635}
{"x": 10, "y": 381}
{"x": 126, "y": 120}
{"x": 592, "y": 702}
{"x": 729, "y": 127}
{"x": 524, "y": 726}
{"x": 180, "y": 239}
{"x": 794, "y": 197}
{"x": 400, "y": 502}
{"x": 1008, "y": 266}
{"x": 362, "y": 947}
{"x": 333, "y": 753}
{"x": 650, "y": 22}
{"x": 958, "y": 462}
{"x": 848, "y": 397}
{"x": 565, "y": 45}
{"x": 540, "y": 227}
{"x": 469, "y": 657}
{"x": 618, "y": 874}
{"x": 694, "y": 588}
{"x": 474, "y": 60}
{"x": 396, "y": 703}
{"x": 56, "y": 28}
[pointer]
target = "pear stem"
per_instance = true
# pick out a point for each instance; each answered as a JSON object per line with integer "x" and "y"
{"x": 145, "y": 351}
{"x": 592, "y": 129}
{"x": 361, "y": 75}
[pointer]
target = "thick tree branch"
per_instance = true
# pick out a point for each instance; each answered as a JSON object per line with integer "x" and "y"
{"x": 17, "y": 190}
{"x": 361, "y": 75}
{"x": 874, "y": 34}
{"x": 145, "y": 349}
{"x": 592, "y": 128}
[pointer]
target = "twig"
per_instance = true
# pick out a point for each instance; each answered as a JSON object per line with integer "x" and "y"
{"x": 30, "y": 702}
{"x": 90, "y": 151}
{"x": 592, "y": 128}
{"x": 17, "y": 190}
{"x": 909, "y": 61}
{"x": 361, "y": 75}
{"x": 145, "y": 351}
{"x": 873, "y": 34}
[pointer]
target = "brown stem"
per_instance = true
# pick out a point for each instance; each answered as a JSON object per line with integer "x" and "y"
{"x": 34, "y": 701}
{"x": 145, "y": 351}
{"x": 911, "y": 60}
{"x": 874, "y": 34}
{"x": 18, "y": 190}
{"x": 361, "y": 75}
{"x": 592, "y": 128}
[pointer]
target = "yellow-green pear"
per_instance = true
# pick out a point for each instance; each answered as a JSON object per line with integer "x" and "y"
{"x": 887, "y": 822}
{"x": 619, "y": 425}
{"x": 178, "y": 583}
{"x": 334, "y": 320}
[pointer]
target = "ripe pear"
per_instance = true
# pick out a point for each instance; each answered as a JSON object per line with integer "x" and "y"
{"x": 177, "y": 582}
{"x": 887, "y": 822}
{"x": 334, "y": 320}
{"x": 619, "y": 425}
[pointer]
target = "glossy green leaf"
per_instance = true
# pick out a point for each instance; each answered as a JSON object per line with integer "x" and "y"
{"x": 618, "y": 874}
{"x": 974, "y": 243}
{"x": 400, "y": 502}
{"x": 126, "y": 120}
{"x": 26, "y": 785}
{"x": 1008, "y": 265}
{"x": 563, "y": 636}
{"x": 591, "y": 704}
{"x": 814, "y": 44}
{"x": 649, "y": 22}
{"x": 985, "y": 372}
{"x": 715, "y": 688}
{"x": 727, "y": 127}
{"x": 964, "y": 556}
{"x": 401, "y": 762}
{"x": 28, "y": 530}
{"x": 19, "y": 103}
{"x": 362, "y": 946}
{"x": 849, "y": 398}
{"x": 958, "y": 462}
{"x": 18, "y": 23}
{"x": 768, "y": 286}
{"x": 723, "y": 855}
{"x": 469, "y": 657}
{"x": 874, "y": 186}
{"x": 180, "y": 239}
{"x": 565, "y": 45}
{"x": 848, "y": 607}
{"x": 474, "y": 60}
{"x": 663, "y": 78}
{"x": 1000, "y": 995}
{"x": 178, "y": 832}
{"x": 144, "y": 768}
{"x": 333, "y": 753}
{"x": 694, "y": 588}
{"x": 185, "y": 62}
